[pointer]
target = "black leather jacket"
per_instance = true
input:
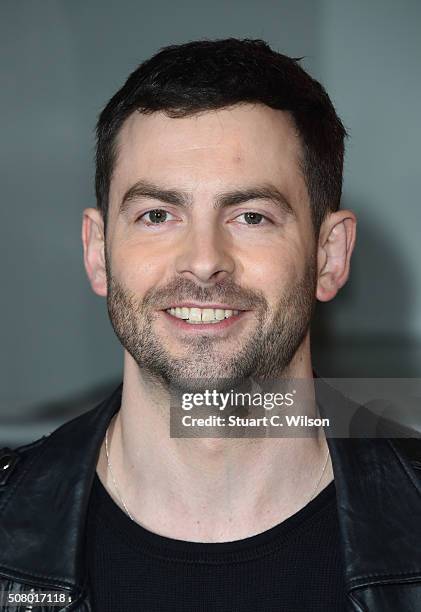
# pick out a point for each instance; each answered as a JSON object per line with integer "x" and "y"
{"x": 45, "y": 488}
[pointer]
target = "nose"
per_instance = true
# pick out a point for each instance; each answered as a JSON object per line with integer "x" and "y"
{"x": 204, "y": 255}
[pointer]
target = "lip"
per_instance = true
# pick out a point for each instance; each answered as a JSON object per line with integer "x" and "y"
{"x": 202, "y": 306}
{"x": 213, "y": 328}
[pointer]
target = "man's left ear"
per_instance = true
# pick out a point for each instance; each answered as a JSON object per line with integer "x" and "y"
{"x": 335, "y": 246}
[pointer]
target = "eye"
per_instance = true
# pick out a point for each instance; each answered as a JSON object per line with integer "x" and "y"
{"x": 155, "y": 216}
{"x": 252, "y": 218}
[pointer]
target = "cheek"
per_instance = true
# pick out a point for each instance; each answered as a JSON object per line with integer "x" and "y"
{"x": 271, "y": 269}
{"x": 136, "y": 268}
{"x": 275, "y": 272}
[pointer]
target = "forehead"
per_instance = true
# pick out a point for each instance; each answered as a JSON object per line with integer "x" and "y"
{"x": 230, "y": 147}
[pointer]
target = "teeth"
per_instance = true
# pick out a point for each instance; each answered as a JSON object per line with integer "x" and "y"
{"x": 201, "y": 315}
{"x": 195, "y": 315}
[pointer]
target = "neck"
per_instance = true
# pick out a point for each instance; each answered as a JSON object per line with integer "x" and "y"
{"x": 207, "y": 489}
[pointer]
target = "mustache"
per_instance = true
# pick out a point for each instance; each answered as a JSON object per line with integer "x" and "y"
{"x": 185, "y": 290}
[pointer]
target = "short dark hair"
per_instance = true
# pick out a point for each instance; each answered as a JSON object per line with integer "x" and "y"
{"x": 185, "y": 79}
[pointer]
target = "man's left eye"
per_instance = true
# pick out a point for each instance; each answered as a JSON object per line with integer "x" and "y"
{"x": 252, "y": 218}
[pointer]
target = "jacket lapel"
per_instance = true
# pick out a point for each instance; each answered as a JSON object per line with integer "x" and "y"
{"x": 379, "y": 510}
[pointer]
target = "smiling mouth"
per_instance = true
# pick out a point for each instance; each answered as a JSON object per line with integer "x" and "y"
{"x": 198, "y": 316}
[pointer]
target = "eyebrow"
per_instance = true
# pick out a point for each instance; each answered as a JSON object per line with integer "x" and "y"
{"x": 145, "y": 189}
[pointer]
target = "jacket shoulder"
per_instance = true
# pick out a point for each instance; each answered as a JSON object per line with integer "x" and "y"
{"x": 411, "y": 448}
{"x": 14, "y": 461}
{"x": 86, "y": 428}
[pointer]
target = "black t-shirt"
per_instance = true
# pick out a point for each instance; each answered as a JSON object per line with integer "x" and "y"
{"x": 295, "y": 566}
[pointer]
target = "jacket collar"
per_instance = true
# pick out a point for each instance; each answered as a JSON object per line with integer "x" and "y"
{"x": 42, "y": 516}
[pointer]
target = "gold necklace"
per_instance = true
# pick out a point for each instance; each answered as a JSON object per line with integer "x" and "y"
{"x": 112, "y": 475}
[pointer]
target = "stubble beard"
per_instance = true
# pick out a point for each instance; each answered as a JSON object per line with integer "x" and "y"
{"x": 265, "y": 355}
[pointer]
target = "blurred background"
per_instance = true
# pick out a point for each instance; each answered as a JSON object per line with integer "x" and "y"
{"x": 61, "y": 61}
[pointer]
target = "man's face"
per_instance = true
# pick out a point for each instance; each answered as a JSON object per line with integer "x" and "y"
{"x": 210, "y": 214}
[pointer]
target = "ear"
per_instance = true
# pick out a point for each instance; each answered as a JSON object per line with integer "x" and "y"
{"x": 94, "y": 250}
{"x": 335, "y": 246}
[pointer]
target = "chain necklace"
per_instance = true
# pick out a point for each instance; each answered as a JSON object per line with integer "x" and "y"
{"x": 321, "y": 476}
{"x": 128, "y": 511}
{"x": 112, "y": 476}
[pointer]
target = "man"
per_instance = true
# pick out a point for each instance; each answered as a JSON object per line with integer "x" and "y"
{"x": 219, "y": 173}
